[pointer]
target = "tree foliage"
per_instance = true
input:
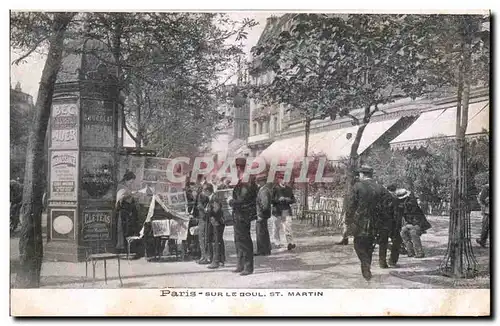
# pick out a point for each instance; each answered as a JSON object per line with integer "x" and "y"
{"x": 170, "y": 65}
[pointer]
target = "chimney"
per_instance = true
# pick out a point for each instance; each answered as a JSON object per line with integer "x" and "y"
{"x": 272, "y": 20}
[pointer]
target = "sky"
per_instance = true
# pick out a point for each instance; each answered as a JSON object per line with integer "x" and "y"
{"x": 29, "y": 72}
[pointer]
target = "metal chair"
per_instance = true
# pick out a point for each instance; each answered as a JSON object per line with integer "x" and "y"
{"x": 98, "y": 253}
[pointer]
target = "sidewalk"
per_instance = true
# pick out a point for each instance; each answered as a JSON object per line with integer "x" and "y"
{"x": 315, "y": 263}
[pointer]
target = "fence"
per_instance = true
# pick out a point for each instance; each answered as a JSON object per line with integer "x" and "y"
{"x": 321, "y": 212}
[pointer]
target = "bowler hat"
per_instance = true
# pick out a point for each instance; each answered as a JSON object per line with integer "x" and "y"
{"x": 365, "y": 169}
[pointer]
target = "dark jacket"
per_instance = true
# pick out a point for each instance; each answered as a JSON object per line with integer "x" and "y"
{"x": 365, "y": 208}
{"x": 213, "y": 211}
{"x": 283, "y": 205}
{"x": 413, "y": 214}
{"x": 244, "y": 201}
{"x": 200, "y": 204}
{"x": 484, "y": 199}
{"x": 264, "y": 200}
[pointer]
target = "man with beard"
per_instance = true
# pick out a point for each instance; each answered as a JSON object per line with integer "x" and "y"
{"x": 363, "y": 206}
{"x": 243, "y": 203}
{"x": 264, "y": 198}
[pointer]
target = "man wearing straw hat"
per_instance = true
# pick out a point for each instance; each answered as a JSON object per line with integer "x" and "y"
{"x": 414, "y": 223}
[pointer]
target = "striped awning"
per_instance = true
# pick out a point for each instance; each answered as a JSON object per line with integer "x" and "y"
{"x": 334, "y": 144}
{"x": 440, "y": 123}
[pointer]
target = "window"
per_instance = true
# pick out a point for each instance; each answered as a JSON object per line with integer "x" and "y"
{"x": 255, "y": 128}
{"x": 275, "y": 123}
{"x": 260, "y": 127}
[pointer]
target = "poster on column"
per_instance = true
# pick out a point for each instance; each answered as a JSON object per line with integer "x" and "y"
{"x": 97, "y": 175}
{"x": 64, "y": 126}
{"x": 63, "y": 175}
{"x": 97, "y": 123}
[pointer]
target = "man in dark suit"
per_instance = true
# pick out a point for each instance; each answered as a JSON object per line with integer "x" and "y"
{"x": 243, "y": 203}
{"x": 214, "y": 213}
{"x": 204, "y": 226}
{"x": 264, "y": 198}
{"x": 386, "y": 227}
{"x": 363, "y": 207}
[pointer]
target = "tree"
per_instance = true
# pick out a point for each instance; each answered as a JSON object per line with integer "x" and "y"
{"x": 168, "y": 62}
{"x": 340, "y": 66}
{"x": 460, "y": 54}
{"x": 24, "y": 34}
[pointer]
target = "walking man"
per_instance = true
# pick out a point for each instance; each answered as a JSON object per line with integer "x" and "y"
{"x": 484, "y": 201}
{"x": 243, "y": 204}
{"x": 264, "y": 198}
{"x": 362, "y": 214}
{"x": 282, "y": 199}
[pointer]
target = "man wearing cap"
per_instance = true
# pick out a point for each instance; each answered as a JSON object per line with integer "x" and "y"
{"x": 243, "y": 203}
{"x": 364, "y": 207}
{"x": 414, "y": 223}
{"x": 264, "y": 198}
{"x": 282, "y": 199}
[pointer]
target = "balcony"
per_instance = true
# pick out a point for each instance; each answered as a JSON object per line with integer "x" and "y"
{"x": 261, "y": 138}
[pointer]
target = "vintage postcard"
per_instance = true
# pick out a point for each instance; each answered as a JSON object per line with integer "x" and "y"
{"x": 250, "y": 163}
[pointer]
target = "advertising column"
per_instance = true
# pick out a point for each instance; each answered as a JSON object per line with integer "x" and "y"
{"x": 98, "y": 157}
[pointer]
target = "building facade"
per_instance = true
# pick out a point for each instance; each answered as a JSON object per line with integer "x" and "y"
{"x": 21, "y": 109}
{"x": 279, "y": 133}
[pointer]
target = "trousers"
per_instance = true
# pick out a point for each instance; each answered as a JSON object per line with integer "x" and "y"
{"x": 219, "y": 249}
{"x": 263, "y": 239}
{"x": 384, "y": 243}
{"x": 282, "y": 222}
{"x": 363, "y": 245}
{"x": 411, "y": 238}
{"x": 244, "y": 244}
{"x": 205, "y": 230}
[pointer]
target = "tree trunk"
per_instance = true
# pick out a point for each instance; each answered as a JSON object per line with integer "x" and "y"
{"x": 30, "y": 243}
{"x": 305, "y": 196}
{"x": 352, "y": 165}
{"x": 459, "y": 261}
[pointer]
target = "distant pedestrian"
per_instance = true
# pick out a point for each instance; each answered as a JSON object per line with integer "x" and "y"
{"x": 414, "y": 223}
{"x": 16, "y": 199}
{"x": 484, "y": 200}
{"x": 264, "y": 200}
{"x": 282, "y": 199}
